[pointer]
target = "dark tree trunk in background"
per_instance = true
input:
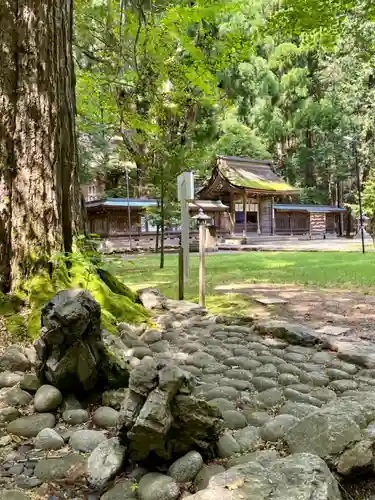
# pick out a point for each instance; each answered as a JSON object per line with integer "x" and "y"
{"x": 37, "y": 113}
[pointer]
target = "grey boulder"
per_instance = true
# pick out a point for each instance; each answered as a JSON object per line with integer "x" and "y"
{"x": 9, "y": 379}
{"x": 155, "y": 486}
{"x": 186, "y": 468}
{"x": 13, "y": 359}
{"x": 86, "y": 440}
{"x": 123, "y": 490}
{"x": 75, "y": 417}
{"x": 31, "y": 425}
{"x": 298, "y": 477}
{"x": 105, "y": 417}
{"x": 47, "y": 398}
{"x": 105, "y": 462}
{"x": 48, "y": 439}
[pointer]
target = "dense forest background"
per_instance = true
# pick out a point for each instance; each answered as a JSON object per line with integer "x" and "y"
{"x": 163, "y": 87}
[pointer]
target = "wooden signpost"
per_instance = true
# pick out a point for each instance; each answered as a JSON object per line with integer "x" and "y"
{"x": 185, "y": 191}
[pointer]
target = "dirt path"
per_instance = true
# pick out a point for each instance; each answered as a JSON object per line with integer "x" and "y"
{"x": 314, "y": 307}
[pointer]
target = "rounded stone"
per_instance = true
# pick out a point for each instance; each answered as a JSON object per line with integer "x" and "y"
{"x": 314, "y": 378}
{"x": 288, "y": 379}
{"x": 227, "y": 446}
{"x": 278, "y": 427}
{"x": 322, "y": 358}
{"x": 343, "y": 385}
{"x": 222, "y": 392}
{"x": 14, "y": 396}
{"x": 140, "y": 352}
{"x": 248, "y": 438}
{"x": 76, "y": 417}
{"x": 238, "y": 374}
{"x": 344, "y": 366}
{"x": 324, "y": 394}
{"x": 271, "y": 360}
{"x": 123, "y": 490}
{"x": 240, "y": 385}
{"x": 151, "y": 336}
{"x": 50, "y": 469}
{"x": 299, "y": 410}
{"x": 211, "y": 378}
{"x": 191, "y": 347}
{"x": 242, "y": 362}
{"x": 186, "y": 468}
{"x": 192, "y": 369}
{"x": 31, "y": 425}
{"x": 8, "y": 414}
{"x": 294, "y": 357}
{"x": 256, "y": 418}
{"x": 269, "y": 398}
{"x": 214, "y": 368}
{"x": 335, "y": 374}
{"x": 48, "y": 439}
{"x": 203, "y": 389}
{"x": 47, "y": 398}
{"x": 233, "y": 419}
{"x": 302, "y": 398}
{"x": 204, "y": 476}
{"x": 301, "y": 388}
{"x": 263, "y": 383}
{"x": 222, "y": 404}
{"x": 160, "y": 346}
{"x": 155, "y": 486}
{"x": 9, "y": 379}
{"x": 86, "y": 440}
{"x": 13, "y": 360}
{"x": 268, "y": 370}
{"x": 105, "y": 462}
{"x": 310, "y": 367}
{"x": 105, "y": 417}
{"x": 218, "y": 352}
{"x": 256, "y": 346}
{"x": 289, "y": 368}
{"x": 30, "y": 382}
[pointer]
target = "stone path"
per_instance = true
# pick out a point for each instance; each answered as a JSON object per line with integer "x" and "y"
{"x": 350, "y": 310}
{"x": 275, "y": 384}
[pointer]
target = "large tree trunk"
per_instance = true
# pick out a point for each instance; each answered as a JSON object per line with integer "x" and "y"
{"x": 40, "y": 131}
{"x": 8, "y": 82}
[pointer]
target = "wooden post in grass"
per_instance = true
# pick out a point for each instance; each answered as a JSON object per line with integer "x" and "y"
{"x": 202, "y": 220}
{"x": 202, "y": 255}
{"x": 181, "y": 278}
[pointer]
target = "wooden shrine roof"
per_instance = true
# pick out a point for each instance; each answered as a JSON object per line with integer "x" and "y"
{"x": 233, "y": 173}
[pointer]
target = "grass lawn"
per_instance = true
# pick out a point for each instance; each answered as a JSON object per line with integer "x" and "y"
{"x": 323, "y": 269}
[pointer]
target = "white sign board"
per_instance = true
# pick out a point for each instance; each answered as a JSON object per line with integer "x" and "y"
{"x": 185, "y": 189}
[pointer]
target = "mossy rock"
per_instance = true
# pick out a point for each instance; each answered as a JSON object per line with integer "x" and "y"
{"x": 117, "y": 301}
{"x": 115, "y": 285}
{"x": 115, "y": 364}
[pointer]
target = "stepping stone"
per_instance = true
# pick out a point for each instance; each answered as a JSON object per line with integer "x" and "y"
{"x": 333, "y": 330}
{"x": 267, "y": 301}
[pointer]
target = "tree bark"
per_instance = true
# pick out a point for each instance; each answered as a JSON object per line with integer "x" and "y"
{"x": 8, "y": 82}
{"x": 42, "y": 162}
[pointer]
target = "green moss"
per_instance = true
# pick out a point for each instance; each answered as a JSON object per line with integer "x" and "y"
{"x": 41, "y": 287}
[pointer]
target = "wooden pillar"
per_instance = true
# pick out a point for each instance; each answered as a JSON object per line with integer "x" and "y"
{"x": 232, "y": 211}
{"x": 259, "y": 230}
{"x": 273, "y": 217}
{"x": 341, "y": 229}
{"x": 244, "y": 202}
